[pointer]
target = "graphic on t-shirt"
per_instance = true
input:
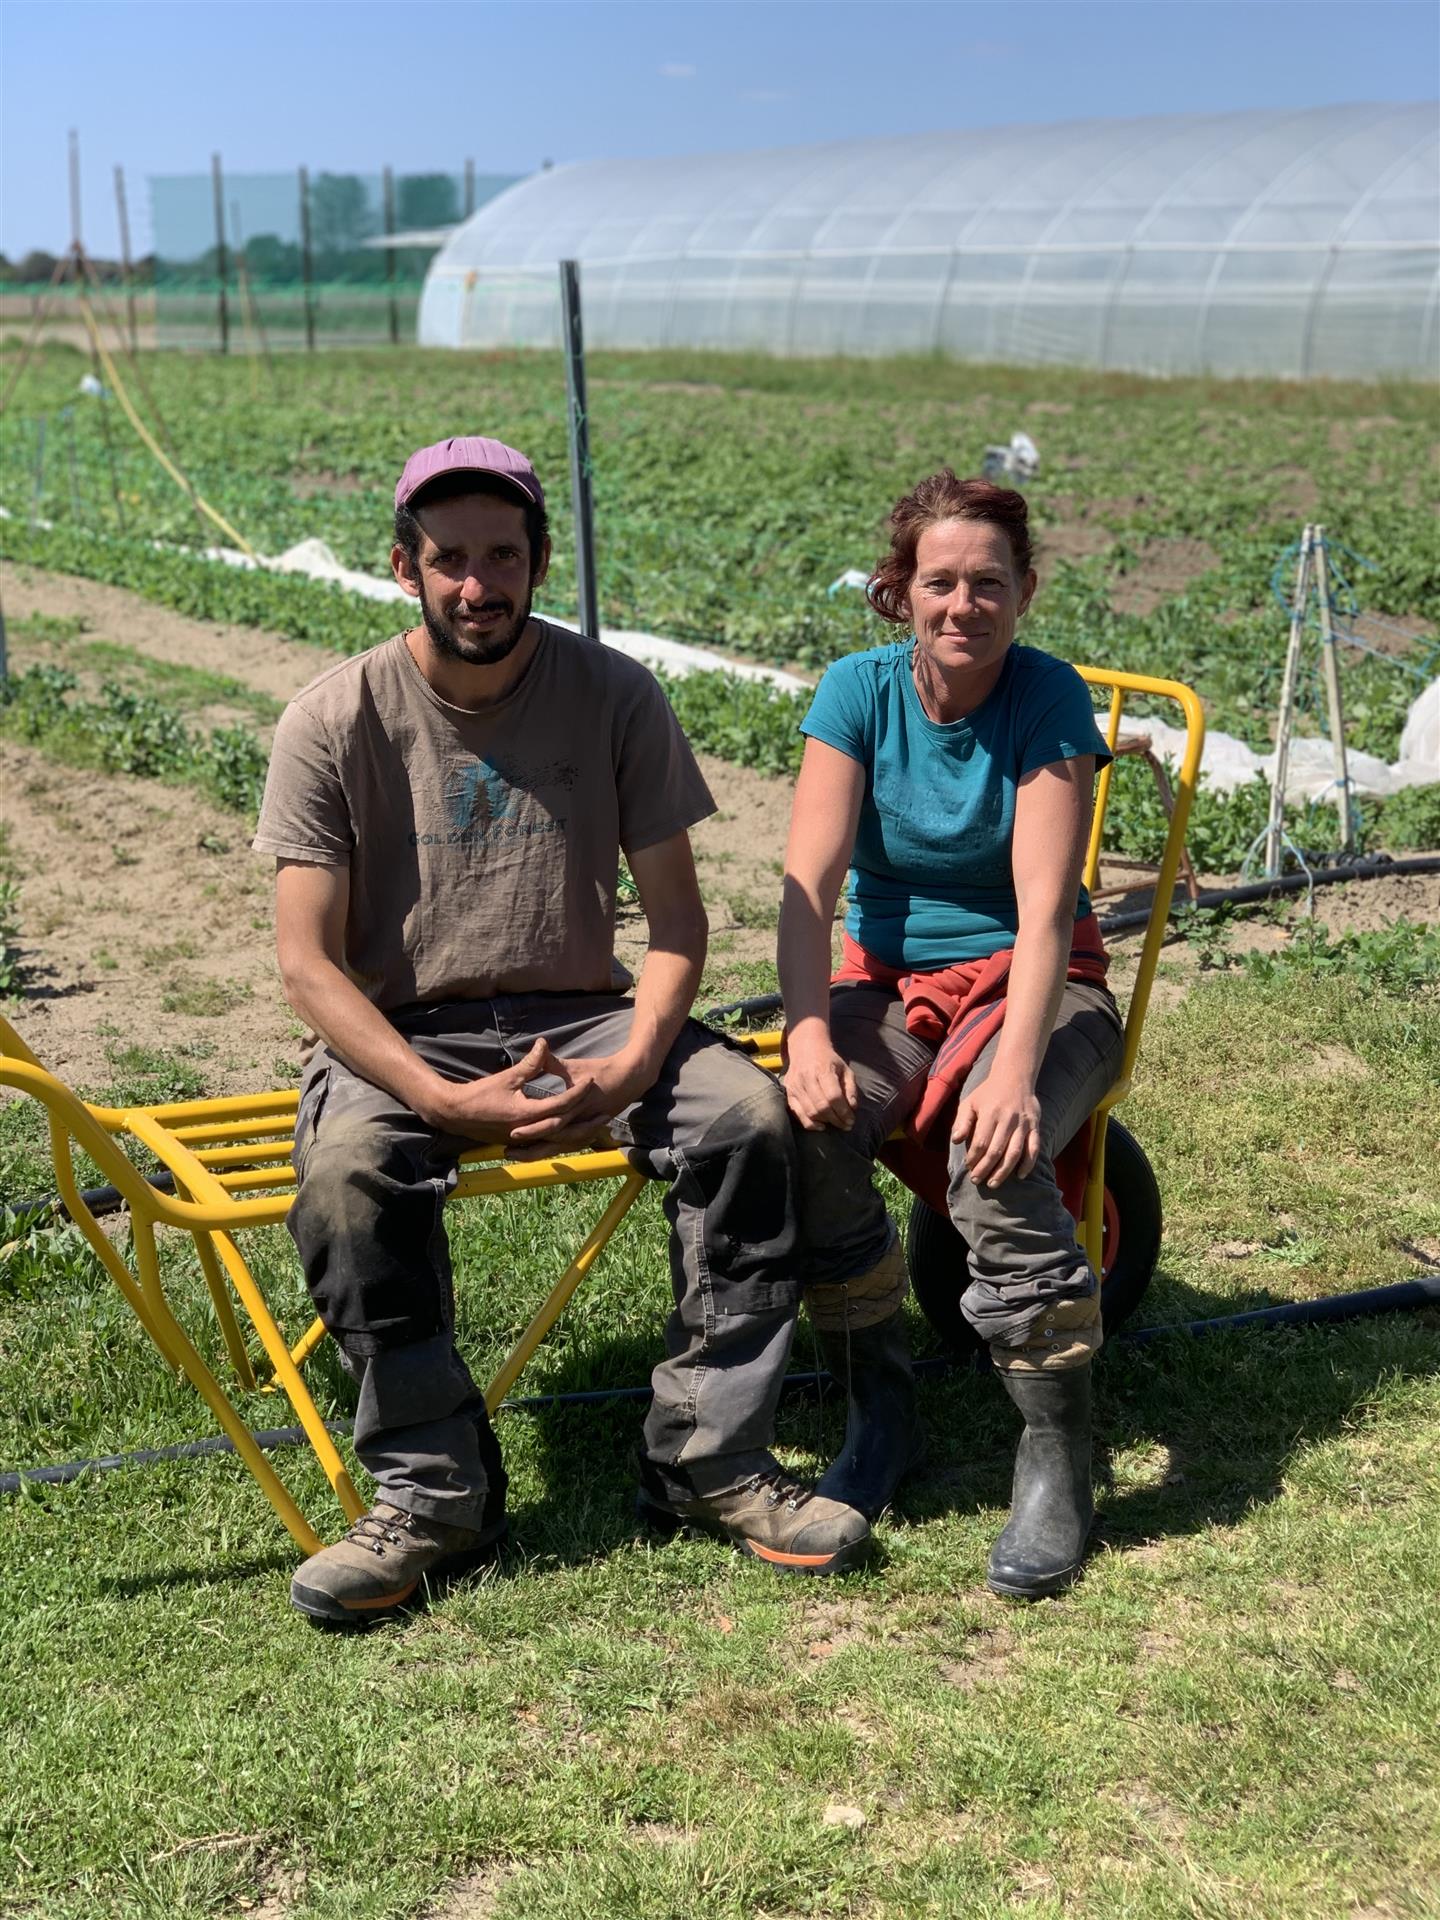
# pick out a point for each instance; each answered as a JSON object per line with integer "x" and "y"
{"x": 476, "y": 796}
{"x": 480, "y": 796}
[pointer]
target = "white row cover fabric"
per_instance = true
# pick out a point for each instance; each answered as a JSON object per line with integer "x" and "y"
{"x": 1297, "y": 243}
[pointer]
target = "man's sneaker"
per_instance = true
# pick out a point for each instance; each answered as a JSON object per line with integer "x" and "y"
{"x": 770, "y": 1515}
{"x": 381, "y": 1561}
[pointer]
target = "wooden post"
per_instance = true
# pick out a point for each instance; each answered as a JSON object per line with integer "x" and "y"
{"x": 74, "y": 191}
{"x": 39, "y": 483}
{"x": 586, "y": 592}
{"x": 249, "y": 305}
{"x": 469, "y": 188}
{"x": 125, "y": 269}
{"x": 1275, "y": 827}
{"x": 1330, "y": 668}
{"x": 389, "y": 185}
{"x": 219, "y": 186}
{"x": 307, "y": 274}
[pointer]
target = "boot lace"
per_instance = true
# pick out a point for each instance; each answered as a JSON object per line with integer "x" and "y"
{"x": 777, "y": 1485}
{"x": 375, "y": 1533}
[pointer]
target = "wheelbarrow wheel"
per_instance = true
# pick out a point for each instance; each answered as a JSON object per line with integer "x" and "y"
{"x": 939, "y": 1259}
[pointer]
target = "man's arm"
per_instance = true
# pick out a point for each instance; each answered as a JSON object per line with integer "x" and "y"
{"x": 664, "y": 993}
{"x": 819, "y": 1085}
{"x": 311, "y": 903}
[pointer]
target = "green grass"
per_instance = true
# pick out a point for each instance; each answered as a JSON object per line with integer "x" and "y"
{"x": 1235, "y": 1713}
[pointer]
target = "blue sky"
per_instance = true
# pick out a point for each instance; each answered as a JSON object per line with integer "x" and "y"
{"x": 421, "y": 84}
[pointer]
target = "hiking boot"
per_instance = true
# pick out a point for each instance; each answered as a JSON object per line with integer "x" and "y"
{"x": 380, "y": 1562}
{"x": 770, "y": 1515}
{"x": 883, "y": 1437}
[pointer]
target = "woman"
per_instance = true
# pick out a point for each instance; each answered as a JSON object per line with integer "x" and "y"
{"x": 953, "y": 773}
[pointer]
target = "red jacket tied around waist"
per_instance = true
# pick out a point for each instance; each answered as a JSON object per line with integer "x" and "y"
{"x": 960, "y": 1009}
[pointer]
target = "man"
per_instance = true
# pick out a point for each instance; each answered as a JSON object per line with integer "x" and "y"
{"x": 447, "y": 812}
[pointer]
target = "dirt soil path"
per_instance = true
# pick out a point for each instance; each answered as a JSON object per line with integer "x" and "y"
{"x": 146, "y": 920}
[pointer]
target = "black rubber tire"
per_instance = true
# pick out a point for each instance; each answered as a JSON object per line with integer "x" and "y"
{"x": 939, "y": 1259}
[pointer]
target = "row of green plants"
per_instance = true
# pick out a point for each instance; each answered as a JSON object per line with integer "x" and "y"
{"x": 123, "y": 731}
{"x": 130, "y": 731}
{"x": 732, "y": 491}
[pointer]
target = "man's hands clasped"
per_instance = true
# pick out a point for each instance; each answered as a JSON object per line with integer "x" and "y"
{"x": 497, "y": 1107}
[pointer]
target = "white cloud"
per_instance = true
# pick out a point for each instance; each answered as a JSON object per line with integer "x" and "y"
{"x": 676, "y": 70}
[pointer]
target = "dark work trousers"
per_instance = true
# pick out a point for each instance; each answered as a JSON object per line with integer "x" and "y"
{"x": 373, "y": 1179}
{"x": 1021, "y": 1239}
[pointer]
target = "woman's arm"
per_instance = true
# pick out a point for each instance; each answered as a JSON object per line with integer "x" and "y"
{"x": 818, "y": 1084}
{"x": 1000, "y": 1121}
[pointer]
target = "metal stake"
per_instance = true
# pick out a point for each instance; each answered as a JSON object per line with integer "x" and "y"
{"x": 389, "y": 185}
{"x": 307, "y": 275}
{"x": 219, "y": 186}
{"x": 1275, "y": 826}
{"x": 1330, "y": 668}
{"x": 586, "y": 590}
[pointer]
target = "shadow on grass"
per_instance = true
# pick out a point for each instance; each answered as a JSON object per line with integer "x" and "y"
{"x": 1208, "y": 1427}
{"x": 1190, "y": 1433}
{"x": 212, "y": 1572}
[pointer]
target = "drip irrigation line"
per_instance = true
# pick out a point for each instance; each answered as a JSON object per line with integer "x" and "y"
{"x": 763, "y": 1003}
{"x": 1287, "y": 883}
{"x": 1367, "y": 1303}
{"x": 49, "y": 1207}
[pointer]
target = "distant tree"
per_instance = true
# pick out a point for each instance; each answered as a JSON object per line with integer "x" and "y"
{"x": 35, "y": 265}
{"x": 341, "y": 213}
{"x": 426, "y": 200}
{"x": 271, "y": 259}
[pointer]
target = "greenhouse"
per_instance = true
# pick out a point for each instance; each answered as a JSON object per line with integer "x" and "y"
{"x": 1294, "y": 243}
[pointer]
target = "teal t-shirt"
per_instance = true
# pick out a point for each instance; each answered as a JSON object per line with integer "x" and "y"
{"x": 931, "y": 882}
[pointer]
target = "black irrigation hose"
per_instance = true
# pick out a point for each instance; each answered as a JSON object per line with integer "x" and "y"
{"x": 1407, "y": 1296}
{"x": 1214, "y": 897}
{"x": 50, "y": 1208}
{"x": 1287, "y": 883}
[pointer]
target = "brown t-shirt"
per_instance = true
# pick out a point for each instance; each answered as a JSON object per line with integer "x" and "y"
{"x": 483, "y": 847}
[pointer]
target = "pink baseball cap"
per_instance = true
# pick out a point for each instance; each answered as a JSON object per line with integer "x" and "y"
{"x": 472, "y": 454}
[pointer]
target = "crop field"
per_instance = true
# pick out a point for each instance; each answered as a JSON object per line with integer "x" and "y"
{"x": 1233, "y": 1714}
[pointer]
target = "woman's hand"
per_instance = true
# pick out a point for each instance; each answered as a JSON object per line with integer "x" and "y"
{"x": 999, "y": 1127}
{"x": 819, "y": 1086}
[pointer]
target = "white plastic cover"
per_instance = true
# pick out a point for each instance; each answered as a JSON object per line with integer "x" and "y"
{"x": 1276, "y": 242}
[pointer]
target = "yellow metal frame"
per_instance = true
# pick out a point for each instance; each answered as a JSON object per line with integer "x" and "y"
{"x": 230, "y": 1159}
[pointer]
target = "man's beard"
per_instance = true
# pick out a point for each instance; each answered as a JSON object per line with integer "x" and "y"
{"x": 485, "y": 650}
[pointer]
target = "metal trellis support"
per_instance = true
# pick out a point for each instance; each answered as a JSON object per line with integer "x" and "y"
{"x": 586, "y": 590}
{"x": 1275, "y": 826}
{"x": 1330, "y": 668}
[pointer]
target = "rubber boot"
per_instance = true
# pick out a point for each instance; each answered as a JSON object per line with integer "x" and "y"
{"x": 883, "y": 1437}
{"x": 1051, "y": 1505}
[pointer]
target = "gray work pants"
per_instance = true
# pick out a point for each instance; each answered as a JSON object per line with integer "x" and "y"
{"x": 1021, "y": 1239}
{"x": 373, "y": 1179}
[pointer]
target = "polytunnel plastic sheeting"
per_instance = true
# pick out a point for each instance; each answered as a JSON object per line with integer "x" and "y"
{"x": 1298, "y": 242}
